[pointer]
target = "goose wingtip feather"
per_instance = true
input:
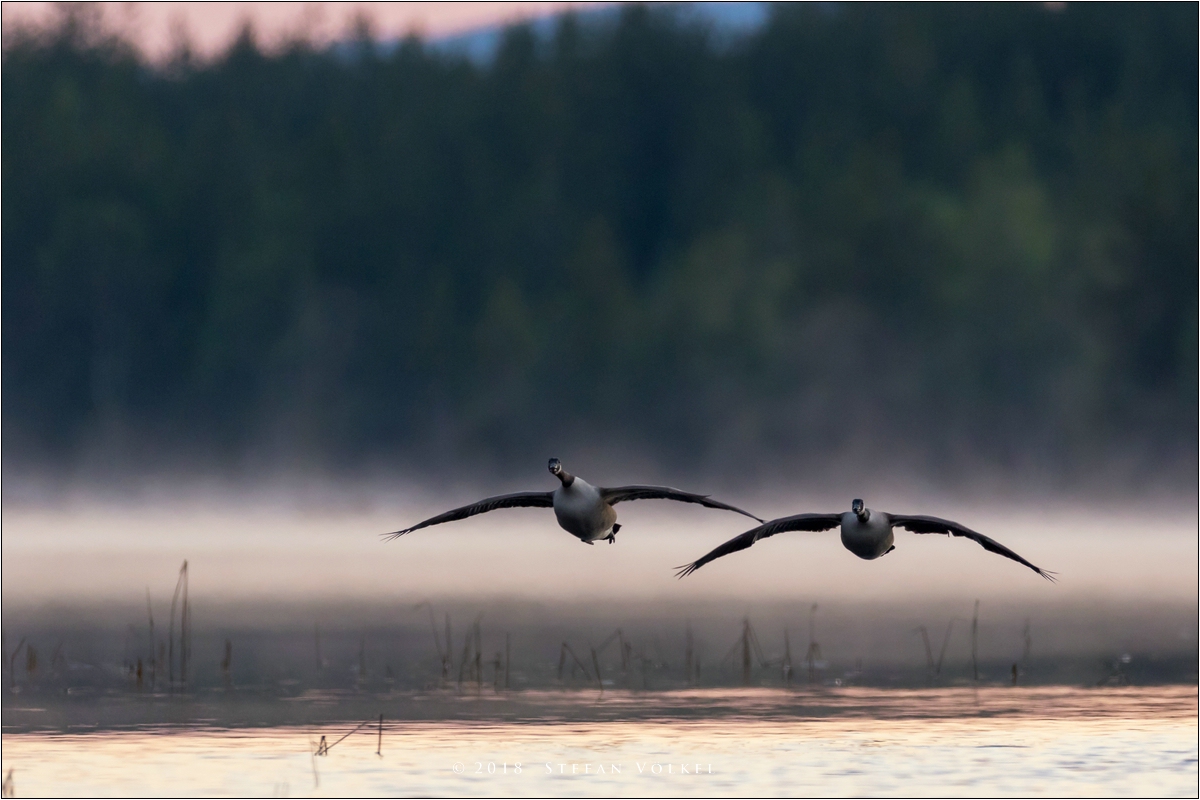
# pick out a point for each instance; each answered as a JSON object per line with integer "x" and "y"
{"x": 686, "y": 569}
{"x": 393, "y": 535}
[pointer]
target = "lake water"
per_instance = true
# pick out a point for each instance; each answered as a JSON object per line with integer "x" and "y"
{"x": 956, "y": 741}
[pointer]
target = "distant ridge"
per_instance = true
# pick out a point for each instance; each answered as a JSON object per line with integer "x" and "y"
{"x": 729, "y": 21}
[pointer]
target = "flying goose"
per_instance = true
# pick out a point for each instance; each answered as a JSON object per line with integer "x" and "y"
{"x": 583, "y": 510}
{"x": 865, "y": 533}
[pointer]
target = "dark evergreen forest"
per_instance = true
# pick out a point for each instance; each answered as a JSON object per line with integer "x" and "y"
{"x": 959, "y": 237}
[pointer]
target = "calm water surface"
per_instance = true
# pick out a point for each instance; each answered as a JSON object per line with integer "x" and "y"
{"x": 859, "y": 742}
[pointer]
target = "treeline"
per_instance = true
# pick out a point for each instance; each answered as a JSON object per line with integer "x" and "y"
{"x": 949, "y": 234}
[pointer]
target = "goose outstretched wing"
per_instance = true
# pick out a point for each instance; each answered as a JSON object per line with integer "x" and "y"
{"x": 796, "y": 522}
{"x": 618, "y": 494}
{"x": 921, "y": 524}
{"x": 516, "y": 500}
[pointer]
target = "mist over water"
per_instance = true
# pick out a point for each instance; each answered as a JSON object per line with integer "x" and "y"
{"x": 328, "y": 546}
{"x": 264, "y": 573}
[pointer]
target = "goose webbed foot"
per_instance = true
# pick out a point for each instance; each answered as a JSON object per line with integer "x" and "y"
{"x": 612, "y": 535}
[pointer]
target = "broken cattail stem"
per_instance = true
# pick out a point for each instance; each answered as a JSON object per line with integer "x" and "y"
{"x": 323, "y": 748}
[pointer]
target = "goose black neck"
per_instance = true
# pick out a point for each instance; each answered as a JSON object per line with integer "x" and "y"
{"x": 566, "y": 477}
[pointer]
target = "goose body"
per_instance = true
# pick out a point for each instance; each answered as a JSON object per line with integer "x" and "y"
{"x": 582, "y": 510}
{"x": 869, "y": 538}
{"x": 866, "y": 533}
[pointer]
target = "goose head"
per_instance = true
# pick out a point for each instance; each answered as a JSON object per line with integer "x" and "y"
{"x": 556, "y": 469}
{"x": 861, "y": 511}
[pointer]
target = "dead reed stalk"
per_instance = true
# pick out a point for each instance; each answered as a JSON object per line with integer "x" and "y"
{"x": 746, "y": 651}
{"x": 10, "y": 663}
{"x": 462, "y": 662}
{"x": 921, "y": 629}
{"x": 814, "y": 649}
{"x": 975, "y": 643}
{"x": 578, "y": 663}
{"x": 448, "y": 661}
{"x": 688, "y": 655}
{"x": 445, "y": 654}
{"x": 942, "y": 653}
{"x": 181, "y": 586}
{"x": 787, "y": 659}
{"x": 153, "y": 660}
{"x": 478, "y": 657}
{"x": 748, "y": 642}
{"x": 596, "y": 666}
{"x": 227, "y": 664}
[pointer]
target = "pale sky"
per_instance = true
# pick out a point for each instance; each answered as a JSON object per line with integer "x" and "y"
{"x": 155, "y": 27}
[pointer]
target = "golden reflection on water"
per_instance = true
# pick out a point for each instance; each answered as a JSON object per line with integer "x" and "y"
{"x": 931, "y": 742}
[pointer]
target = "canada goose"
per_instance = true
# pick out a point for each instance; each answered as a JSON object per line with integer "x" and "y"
{"x": 865, "y": 533}
{"x": 583, "y": 510}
